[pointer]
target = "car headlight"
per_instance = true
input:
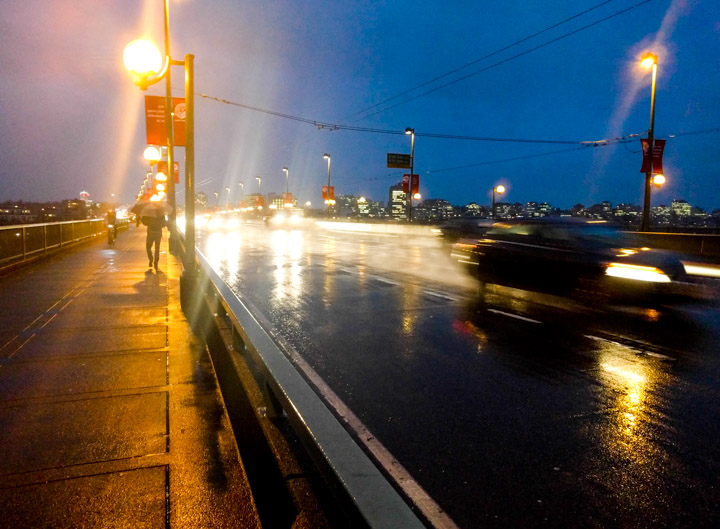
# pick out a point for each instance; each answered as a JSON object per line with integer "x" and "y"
{"x": 278, "y": 219}
{"x": 637, "y": 272}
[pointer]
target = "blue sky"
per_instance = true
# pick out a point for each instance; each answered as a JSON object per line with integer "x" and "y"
{"x": 73, "y": 120}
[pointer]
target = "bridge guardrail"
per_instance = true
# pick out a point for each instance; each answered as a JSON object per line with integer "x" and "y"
{"x": 344, "y": 465}
{"x": 24, "y": 242}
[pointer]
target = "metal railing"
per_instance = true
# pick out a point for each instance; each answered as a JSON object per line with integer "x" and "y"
{"x": 28, "y": 241}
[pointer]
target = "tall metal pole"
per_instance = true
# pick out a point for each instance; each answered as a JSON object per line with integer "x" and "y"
{"x": 170, "y": 139}
{"x": 493, "y": 203}
{"x": 189, "y": 257}
{"x": 645, "y": 226}
{"x": 412, "y": 171}
{"x": 327, "y": 157}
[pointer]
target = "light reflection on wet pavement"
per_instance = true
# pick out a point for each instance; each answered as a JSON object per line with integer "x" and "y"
{"x": 509, "y": 412}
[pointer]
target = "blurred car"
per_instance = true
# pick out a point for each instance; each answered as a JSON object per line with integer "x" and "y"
{"x": 593, "y": 260}
{"x": 285, "y": 218}
{"x": 461, "y": 227}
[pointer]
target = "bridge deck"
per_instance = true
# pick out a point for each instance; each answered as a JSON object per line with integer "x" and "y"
{"x": 109, "y": 410}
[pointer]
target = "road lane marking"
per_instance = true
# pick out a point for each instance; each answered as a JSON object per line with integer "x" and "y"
{"x": 411, "y": 488}
{"x": 516, "y": 316}
{"x": 638, "y": 350}
{"x": 440, "y": 296}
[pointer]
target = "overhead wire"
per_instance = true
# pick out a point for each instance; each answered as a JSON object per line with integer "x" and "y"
{"x": 539, "y": 46}
{"x": 491, "y": 54}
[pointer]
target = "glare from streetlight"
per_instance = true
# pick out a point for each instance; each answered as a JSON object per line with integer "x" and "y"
{"x": 160, "y": 177}
{"x": 648, "y": 59}
{"x": 152, "y": 154}
{"x": 658, "y": 180}
{"x": 142, "y": 58}
{"x": 500, "y": 189}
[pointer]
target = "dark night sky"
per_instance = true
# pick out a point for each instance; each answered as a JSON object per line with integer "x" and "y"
{"x": 73, "y": 120}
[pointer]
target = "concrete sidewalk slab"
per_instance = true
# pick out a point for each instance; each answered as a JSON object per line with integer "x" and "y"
{"x": 110, "y": 415}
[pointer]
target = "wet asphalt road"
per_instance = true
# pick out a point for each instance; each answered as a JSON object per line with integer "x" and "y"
{"x": 509, "y": 409}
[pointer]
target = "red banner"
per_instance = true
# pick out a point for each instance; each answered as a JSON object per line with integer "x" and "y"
{"x": 155, "y": 120}
{"x": 415, "y": 183}
{"x": 328, "y": 193}
{"x": 657, "y": 156}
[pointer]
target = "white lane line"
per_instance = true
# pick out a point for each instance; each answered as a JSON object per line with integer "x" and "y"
{"x": 635, "y": 350}
{"x": 418, "y": 496}
{"x": 441, "y": 296}
{"x": 516, "y": 316}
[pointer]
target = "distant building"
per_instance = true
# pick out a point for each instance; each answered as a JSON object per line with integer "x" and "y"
{"x": 435, "y": 209}
{"x": 681, "y": 208}
{"x": 473, "y": 210}
{"x": 397, "y": 203}
{"x": 15, "y": 214}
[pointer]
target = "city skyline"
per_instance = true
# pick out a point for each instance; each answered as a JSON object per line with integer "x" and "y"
{"x": 506, "y": 94}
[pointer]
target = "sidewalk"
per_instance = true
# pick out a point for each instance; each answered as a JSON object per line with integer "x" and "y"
{"x": 110, "y": 415}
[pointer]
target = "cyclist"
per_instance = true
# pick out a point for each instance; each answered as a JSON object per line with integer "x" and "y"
{"x": 112, "y": 227}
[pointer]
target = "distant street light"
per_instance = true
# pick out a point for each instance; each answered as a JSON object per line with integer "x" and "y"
{"x": 327, "y": 157}
{"x": 228, "y": 192}
{"x": 649, "y": 60}
{"x": 411, "y": 132}
{"x": 287, "y": 179}
{"x": 242, "y": 191}
{"x": 499, "y": 190}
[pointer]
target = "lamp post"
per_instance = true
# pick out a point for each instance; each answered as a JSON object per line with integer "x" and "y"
{"x": 649, "y": 60}
{"x": 411, "y": 132}
{"x": 287, "y": 180}
{"x": 327, "y": 157}
{"x": 242, "y": 191}
{"x": 173, "y": 242}
{"x": 146, "y": 73}
{"x": 499, "y": 190}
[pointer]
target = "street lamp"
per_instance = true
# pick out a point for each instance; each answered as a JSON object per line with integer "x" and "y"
{"x": 499, "y": 190}
{"x": 152, "y": 154}
{"x": 327, "y": 157}
{"x": 228, "y": 192}
{"x": 287, "y": 180}
{"x": 242, "y": 191}
{"x": 411, "y": 132}
{"x": 147, "y": 73}
{"x": 649, "y": 60}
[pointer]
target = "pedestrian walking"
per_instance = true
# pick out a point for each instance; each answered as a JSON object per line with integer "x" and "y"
{"x": 155, "y": 226}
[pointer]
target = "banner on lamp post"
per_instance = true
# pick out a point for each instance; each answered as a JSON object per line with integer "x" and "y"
{"x": 163, "y": 168}
{"x": 328, "y": 193}
{"x": 415, "y": 183}
{"x": 657, "y": 156}
{"x": 155, "y": 129}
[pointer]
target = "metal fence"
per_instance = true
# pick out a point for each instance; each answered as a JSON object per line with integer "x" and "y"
{"x": 27, "y": 241}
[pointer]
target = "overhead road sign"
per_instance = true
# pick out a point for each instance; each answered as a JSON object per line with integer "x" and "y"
{"x": 398, "y": 161}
